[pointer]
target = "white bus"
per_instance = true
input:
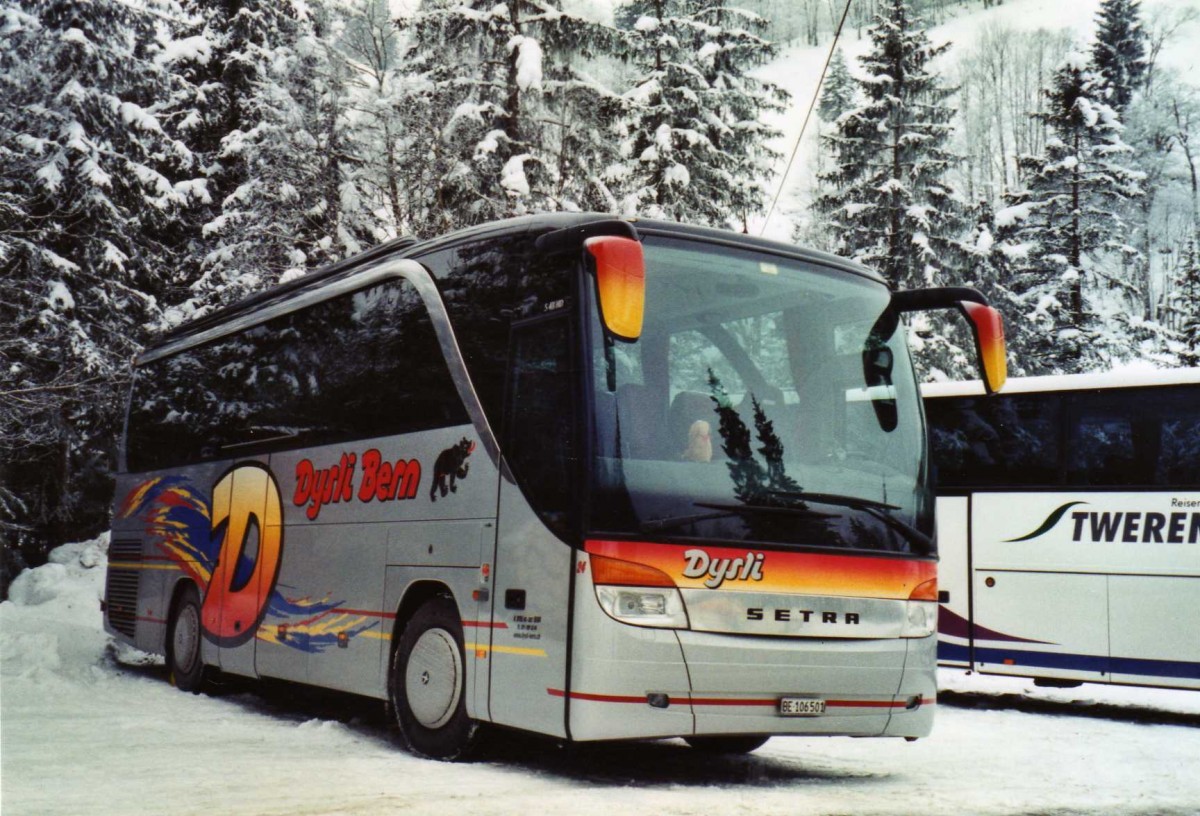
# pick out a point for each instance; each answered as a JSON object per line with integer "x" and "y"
{"x": 585, "y": 477}
{"x": 1068, "y": 519}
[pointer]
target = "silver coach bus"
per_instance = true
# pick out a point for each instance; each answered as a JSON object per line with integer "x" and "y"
{"x": 591, "y": 478}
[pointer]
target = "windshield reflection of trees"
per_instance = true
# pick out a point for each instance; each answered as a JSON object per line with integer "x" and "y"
{"x": 776, "y": 508}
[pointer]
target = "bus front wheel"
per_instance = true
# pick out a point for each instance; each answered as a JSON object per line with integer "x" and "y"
{"x": 183, "y": 643}
{"x": 428, "y": 683}
{"x": 726, "y": 745}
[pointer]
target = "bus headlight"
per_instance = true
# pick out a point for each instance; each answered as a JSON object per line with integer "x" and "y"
{"x": 658, "y": 607}
{"x": 920, "y": 619}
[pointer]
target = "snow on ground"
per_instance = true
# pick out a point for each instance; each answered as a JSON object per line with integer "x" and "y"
{"x": 798, "y": 69}
{"x": 84, "y": 729}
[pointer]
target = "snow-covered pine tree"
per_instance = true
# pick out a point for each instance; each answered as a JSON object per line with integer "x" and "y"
{"x": 90, "y": 183}
{"x": 887, "y": 199}
{"x": 226, "y": 52}
{"x": 1066, "y": 226}
{"x": 733, "y": 45}
{"x": 839, "y": 92}
{"x": 301, "y": 200}
{"x": 504, "y": 127}
{"x": 1187, "y": 305}
{"x": 1119, "y": 53}
{"x": 665, "y": 138}
{"x": 373, "y": 45}
{"x": 1150, "y": 130}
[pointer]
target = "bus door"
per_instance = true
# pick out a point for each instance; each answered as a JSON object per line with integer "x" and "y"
{"x": 247, "y": 519}
{"x": 528, "y": 635}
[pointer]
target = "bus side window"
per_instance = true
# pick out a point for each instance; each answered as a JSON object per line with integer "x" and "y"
{"x": 540, "y": 431}
{"x": 1179, "y": 463}
{"x": 1001, "y": 440}
{"x": 487, "y": 285}
{"x": 362, "y": 365}
{"x": 1112, "y": 440}
{"x": 1136, "y": 437}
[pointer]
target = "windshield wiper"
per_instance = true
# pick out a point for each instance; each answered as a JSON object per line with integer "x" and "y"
{"x": 875, "y": 509}
{"x": 727, "y": 510}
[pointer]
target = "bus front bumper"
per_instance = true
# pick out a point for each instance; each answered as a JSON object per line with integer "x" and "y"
{"x": 684, "y": 683}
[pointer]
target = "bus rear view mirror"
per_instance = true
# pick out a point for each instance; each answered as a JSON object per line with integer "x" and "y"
{"x": 988, "y": 328}
{"x": 986, "y": 325}
{"x": 621, "y": 283}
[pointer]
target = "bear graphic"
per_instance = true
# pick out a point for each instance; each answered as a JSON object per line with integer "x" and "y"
{"x": 450, "y": 466}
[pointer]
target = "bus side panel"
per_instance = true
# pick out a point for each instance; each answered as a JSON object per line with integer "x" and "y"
{"x": 244, "y": 571}
{"x": 161, "y": 535}
{"x": 1152, "y": 642}
{"x": 351, "y": 510}
{"x": 1043, "y": 625}
{"x": 1039, "y": 608}
{"x": 347, "y": 559}
{"x": 459, "y": 582}
{"x": 278, "y": 652}
{"x": 450, "y": 554}
{"x": 1087, "y": 585}
{"x": 954, "y": 635}
{"x": 138, "y": 584}
{"x": 528, "y": 628}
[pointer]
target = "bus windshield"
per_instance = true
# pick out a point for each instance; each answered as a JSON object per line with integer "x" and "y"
{"x": 768, "y": 400}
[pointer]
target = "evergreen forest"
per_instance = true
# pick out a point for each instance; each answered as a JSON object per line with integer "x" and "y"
{"x": 160, "y": 159}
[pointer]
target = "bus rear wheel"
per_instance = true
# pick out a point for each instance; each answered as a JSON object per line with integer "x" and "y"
{"x": 428, "y": 684}
{"x": 187, "y": 670}
{"x": 726, "y": 745}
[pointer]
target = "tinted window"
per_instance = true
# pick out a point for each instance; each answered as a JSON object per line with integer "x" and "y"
{"x": 1000, "y": 440}
{"x": 363, "y": 365}
{"x": 485, "y": 287}
{"x": 1135, "y": 437}
{"x": 541, "y": 437}
{"x": 767, "y": 400}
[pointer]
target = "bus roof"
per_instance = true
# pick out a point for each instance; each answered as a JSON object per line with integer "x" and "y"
{"x": 409, "y": 247}
{"x": 1130, "y": 377}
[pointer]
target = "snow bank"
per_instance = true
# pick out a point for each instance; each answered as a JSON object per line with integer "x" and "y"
{"x": 51, "y": 627}
{"x": 37, "y": 586}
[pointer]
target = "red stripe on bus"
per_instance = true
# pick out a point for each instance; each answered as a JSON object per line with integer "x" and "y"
{"x": 486, "y": 624}
{"x": 732, "y": 701}
{"x": 595, "y": 698}
{"x": 149, "y": 620}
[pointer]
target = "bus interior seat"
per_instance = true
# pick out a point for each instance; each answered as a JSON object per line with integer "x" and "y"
{"x": 640, "y": 422}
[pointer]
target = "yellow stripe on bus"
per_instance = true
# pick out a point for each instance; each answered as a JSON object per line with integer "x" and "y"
{"x": 481, "y": 650}
{"x": 124, "y": 565}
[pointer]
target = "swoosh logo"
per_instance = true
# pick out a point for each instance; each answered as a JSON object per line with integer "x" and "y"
{"x": 1048, "y": 524}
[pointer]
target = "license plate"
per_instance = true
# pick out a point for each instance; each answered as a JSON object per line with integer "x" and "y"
{"x": 801, "y": 707}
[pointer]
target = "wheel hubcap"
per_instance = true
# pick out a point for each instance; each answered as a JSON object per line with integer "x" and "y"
{"x": 433, "y": 678}
{"x": 187, "y": 637}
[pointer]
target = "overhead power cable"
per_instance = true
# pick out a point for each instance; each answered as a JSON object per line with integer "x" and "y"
{"x": 811, "y": 105}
